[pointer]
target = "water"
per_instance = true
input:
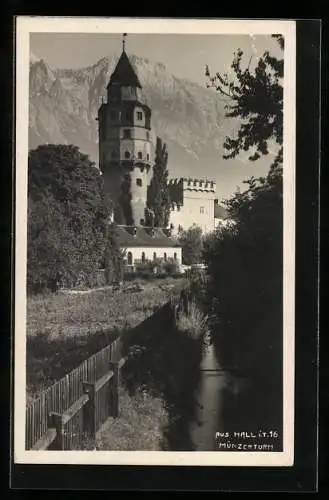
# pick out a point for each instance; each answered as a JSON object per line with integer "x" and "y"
{"x": 209, "y": 397}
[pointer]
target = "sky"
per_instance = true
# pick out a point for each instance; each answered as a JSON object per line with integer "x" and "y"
{"x": 184, "y": 55}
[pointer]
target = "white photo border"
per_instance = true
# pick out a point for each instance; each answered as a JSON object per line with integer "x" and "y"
{"x": 26, "y": 25}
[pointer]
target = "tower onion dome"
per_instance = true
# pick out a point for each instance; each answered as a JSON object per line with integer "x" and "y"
{"x": 124, "y": 74}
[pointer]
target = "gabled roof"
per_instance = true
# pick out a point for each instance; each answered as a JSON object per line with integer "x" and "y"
{"x": 126, "y": 238}
{"x": 124, "y": 74}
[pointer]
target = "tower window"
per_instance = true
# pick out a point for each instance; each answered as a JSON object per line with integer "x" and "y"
{"x": 139, "y": 182}
{"x": 140, "y": 155}
{"x": 175, "y": 256}
{"x": 143, "y": 256}
{"x": 127, "y": 155}
{"x": 139, "y": 115}
{"x": 201, "y": 210}
{"x": 147, "y": 135}
{"x": 154, "y": 256}
{"x": 127, "y": 133}
{"x": 129, "y": 258}
{"x": 165, "y": 257}
{"x": 148, "y": 156}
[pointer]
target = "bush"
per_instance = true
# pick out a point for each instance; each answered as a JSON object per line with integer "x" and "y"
{"x": 146, "y": 270}
{"x": 67, "y": 219}
{"x": 246, "y": 290}
{"x": 171, "y": 268}
{"x": 193, "y": 322}
{"x": 191, "y": 241}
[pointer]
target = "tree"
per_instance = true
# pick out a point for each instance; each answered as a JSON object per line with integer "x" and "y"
{"x": 257, "y": 100}
{"x": 67, "y": 216}
{"x": 114, "y": 267}
{"x": 158, "y": 200}
{"x": 124, "y": 213}
{"x": 245, "y": 261}
{"x": 191, "y": 241}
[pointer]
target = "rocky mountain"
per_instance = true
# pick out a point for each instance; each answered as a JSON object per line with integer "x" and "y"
{"x": 63, "y": 108}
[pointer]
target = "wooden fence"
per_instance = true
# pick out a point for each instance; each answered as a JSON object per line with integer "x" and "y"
{"x": 77, "y": 405}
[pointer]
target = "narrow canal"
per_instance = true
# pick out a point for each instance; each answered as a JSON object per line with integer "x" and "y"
{"x": 209, "y": 400}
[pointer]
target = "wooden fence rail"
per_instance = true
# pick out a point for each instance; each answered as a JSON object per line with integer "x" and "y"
{"x": 77, "y": 405}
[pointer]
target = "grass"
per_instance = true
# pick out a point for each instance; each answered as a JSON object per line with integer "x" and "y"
{"x": 63, "y": 330}
{"x": 138, "y": 428}
{"x": 164, "y": 357}
{"x": 193, "y": 322}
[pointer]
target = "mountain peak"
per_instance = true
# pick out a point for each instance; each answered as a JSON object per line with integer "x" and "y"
{"x": 189, "y": 118}
{"x": 34, "y": 58}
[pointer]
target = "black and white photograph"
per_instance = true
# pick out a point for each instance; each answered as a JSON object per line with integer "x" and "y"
{"x": 155, "y": 223}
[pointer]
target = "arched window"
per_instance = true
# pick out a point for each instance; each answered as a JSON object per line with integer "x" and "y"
{"x": 143, "y": 256}
{"x": 127, "y": 154}
{"x": 140, "y": 155}
{"x": 165, "y": 257}
{"x": 139, "y": 182}
{"x": 154, "y": 256}
{"x": 129, "y": 259}
{"x": 175, "y": 256}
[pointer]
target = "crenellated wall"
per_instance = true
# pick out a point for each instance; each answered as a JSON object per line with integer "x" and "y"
{"x": 192, "y": 203}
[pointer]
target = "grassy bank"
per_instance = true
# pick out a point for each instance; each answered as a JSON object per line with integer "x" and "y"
{"x": 63, "y": 330}
{"x": 164, "y": 358}
{"x": 140, "y": 426}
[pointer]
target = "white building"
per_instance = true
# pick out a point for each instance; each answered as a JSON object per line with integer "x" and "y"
{"x": 141, "y": 245}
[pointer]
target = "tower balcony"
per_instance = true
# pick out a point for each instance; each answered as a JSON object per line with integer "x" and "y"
{"x": 133, "y": 163}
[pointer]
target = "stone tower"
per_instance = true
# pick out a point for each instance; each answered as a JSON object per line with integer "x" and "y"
{"x": 125, "y": 147}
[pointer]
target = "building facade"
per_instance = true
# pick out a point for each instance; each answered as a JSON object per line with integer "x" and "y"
{"x": 146, "y": 245}
{"x": 126, "y": 155}
{"x": 125, "y": 159}
{"x": 193, "y": 202}
{"x": 125, "y": 145}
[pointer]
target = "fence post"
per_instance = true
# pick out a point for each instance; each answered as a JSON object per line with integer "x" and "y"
{"x": 114, "y": 365}
{"x": 89, "y": 411}
{"x": 56, "y": 420}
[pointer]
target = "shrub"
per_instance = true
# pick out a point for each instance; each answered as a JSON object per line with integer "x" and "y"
{"x": 193, "y": 322}
{"x": 171, "y": 268}
{"x": 67, "y": 218}
{"x": 146, "y": 270}
{"x": 191, "y": 241}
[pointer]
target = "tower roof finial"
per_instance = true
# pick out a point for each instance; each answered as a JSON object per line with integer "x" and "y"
{"x": 124, "y": 41}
